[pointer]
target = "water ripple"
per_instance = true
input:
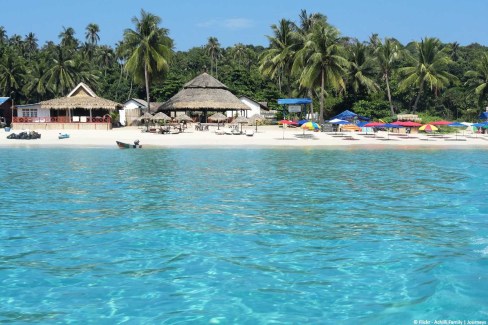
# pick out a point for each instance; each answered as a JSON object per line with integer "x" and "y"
{"x": 243, "y": 236}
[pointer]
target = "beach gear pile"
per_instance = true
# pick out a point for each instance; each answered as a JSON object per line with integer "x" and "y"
{"x": 26, "y": 135}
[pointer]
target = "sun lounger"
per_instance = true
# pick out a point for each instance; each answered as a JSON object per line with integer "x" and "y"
{"x": 249, "y": 133}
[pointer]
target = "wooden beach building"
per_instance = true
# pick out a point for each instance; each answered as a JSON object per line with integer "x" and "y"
{"x": 133, "y": 108}
{"x": 81, "y": 109}
{"x": 202, "y": 95}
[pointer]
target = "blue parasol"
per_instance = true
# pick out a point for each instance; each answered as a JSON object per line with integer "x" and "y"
{"x": 388, "y": 126}
{"x": 457, "y": 125}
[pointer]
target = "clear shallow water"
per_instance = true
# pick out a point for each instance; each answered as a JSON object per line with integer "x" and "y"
{"x": 255, "y": 236}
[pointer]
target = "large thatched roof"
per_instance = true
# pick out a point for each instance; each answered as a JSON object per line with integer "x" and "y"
{"x": 80, "y": 97}
{"x": 203, "y": 93}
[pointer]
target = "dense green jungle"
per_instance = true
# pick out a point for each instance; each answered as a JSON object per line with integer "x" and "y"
{"x": 305, "y": 57}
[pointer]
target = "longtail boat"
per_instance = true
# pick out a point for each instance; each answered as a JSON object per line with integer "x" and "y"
{"x": 123, "y": 145}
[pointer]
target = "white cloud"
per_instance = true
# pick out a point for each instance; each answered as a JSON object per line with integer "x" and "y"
{"x": 208, "y": 23}
{"x": 238, "y": 23}
{"x": 233, "y": 23}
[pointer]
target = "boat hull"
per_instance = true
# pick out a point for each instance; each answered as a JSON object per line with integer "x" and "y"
{"x": 123, "y": 145}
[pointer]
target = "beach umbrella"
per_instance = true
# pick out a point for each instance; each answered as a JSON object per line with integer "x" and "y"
{"x": 218, "y": 117}
{"x": 389, "y": 126}
{"x": 285, "y": 122}
{"x": 183, "y": 117}
{"x": 146, "y": 116}
{"x": 457, "y": 125}
{"x": 373, "y": 124}
{"x": 241, "y": 120}
{"x": 310, "y": 126}
{"x": 255, "y": 119}
{"x": 406, "y": 123}
{"x": 481, "y": 125}
{"x": 338, "y": 121}
{"x": 428, "y": 128}
{"x": 161, "y": 116}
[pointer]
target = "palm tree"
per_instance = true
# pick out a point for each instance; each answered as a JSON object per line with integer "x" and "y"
{"x": 454, "y": 51}
{"x": 308, "y": 20}
{"x": 239, "y": 52}
{"x": 16, "y": 41}
{"x": 83, "y": 71}
{"x": 91, "y": 34}
{"x": 478, "y": 79}
{"x": 429, "y": 67}
{"x": 150, "y": 50}
{"x": 30, "y": 43}
{"x": 213, "y": 49}
{"x": 3, "y": 35}
{"x": 60, "y": 75}
{"x": 35, "y": 87}
{"x": 11, "y": 71}
{"x": 321, "y": 61}
{"x": 386, "y": 54}
{"x": 105, "y": 57}
{"x": 361, "y": 69}
{"x": 67, "y": 37}
{"x": 276, "y": 62}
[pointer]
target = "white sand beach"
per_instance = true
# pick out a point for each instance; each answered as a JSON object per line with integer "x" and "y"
{"x": 266, "y": 136}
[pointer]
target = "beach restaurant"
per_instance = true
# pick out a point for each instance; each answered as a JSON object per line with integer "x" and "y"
{"x": 202, "y": 95}
{"x": 81, "y": 109}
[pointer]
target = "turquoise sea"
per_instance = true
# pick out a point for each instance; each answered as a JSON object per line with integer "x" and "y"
{"x": 247, "y": 236}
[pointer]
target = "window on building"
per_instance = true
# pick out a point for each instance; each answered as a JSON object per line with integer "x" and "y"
{"x": 29, "y": 112}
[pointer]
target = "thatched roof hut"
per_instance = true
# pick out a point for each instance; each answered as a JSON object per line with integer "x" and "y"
{"x": 80, "y": 97}
{"x": 204, "y": 93}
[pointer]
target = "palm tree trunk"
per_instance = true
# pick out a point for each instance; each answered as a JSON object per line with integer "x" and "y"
{"x": 309, "y": 93}
{"x": 147, "y": 88}
{"x": 418, "y": 97}
{"x": 279, "y": 82}
{"x": 322, "y": 84}
{"x": 129, "y": 95}
{"x": 388, "y": 91}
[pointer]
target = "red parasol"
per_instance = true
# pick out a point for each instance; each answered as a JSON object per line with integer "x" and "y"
{"x": 373, "y": 124}
{"x": 407, "y": 123}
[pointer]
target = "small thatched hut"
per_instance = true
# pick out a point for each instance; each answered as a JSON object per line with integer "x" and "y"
{"x": 82, "y": 108}
{"x": 202, "y": 95}
{"x": 80, "y": 99}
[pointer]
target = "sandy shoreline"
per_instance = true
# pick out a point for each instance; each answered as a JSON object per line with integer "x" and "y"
{"x": 267, "y": 136}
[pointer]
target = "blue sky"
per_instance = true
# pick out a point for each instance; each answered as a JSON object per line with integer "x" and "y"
{"x": 191, "y": 22}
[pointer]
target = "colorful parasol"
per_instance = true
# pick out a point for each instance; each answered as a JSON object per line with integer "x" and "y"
{"x": 310, "y": 126}
{"x": 428, "y": 128}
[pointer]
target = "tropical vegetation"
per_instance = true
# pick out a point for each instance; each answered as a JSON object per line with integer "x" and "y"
{"x": 304, "y": 58}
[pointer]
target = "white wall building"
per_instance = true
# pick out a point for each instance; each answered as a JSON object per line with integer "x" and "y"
{"x": 131, "y": 111}
{"x": 255, "y": 107}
